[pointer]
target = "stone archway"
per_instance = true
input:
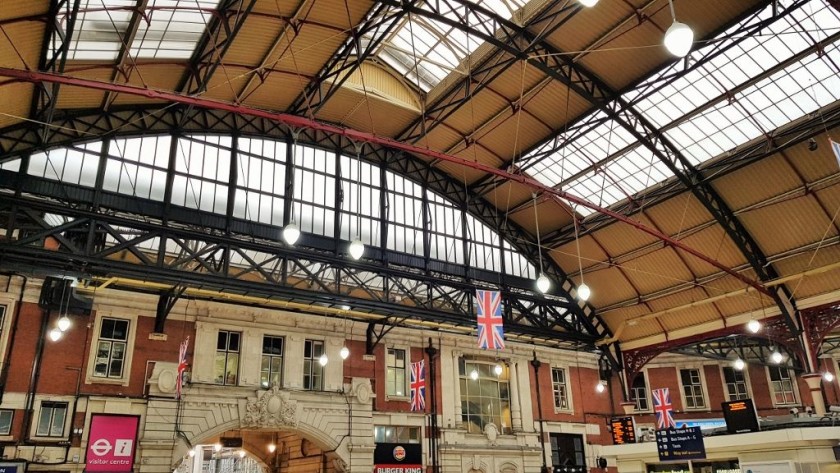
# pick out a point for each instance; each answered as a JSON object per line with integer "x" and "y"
{"x": 171, "y": 428}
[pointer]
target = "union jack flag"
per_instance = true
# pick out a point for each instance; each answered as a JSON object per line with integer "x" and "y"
{"x": 835, "y": 146}
{"x": 491, "y": 332}
{"x": 182, "y": 366}
{"x": 418, "y": 386}
{"x": 663, "y": 409}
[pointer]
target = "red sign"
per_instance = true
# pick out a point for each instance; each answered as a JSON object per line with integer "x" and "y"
{"x": 398, "y": 469}
{"x": 111, "y": 443}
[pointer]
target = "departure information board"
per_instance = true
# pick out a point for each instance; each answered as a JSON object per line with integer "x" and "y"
{"x": 623, "y": 430}
{"x": 740, "y": 416}
{"x": 680, "y": 444}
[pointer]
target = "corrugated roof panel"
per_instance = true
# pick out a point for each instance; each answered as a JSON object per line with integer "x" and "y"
{"x": 678, "y": 214}
{"x": 482, "y": 107}
{"x": 619, "y": 238}
{"x": 16, "y": 99}
{"x": 716, "y": 244}
{"x": 786, "y": 225}
{"x": 277, "y": 92}
{"x": 340, "y": 13}
{"x": 553, "y": 214}
{"x": 740, "y": 189}
{"x": 283, "y": 9}
{"x": 226, "y": 82}
{"x": 549, "y": 105}
{"x": 311, "y": 49}
{"x": 359, "y": 117}
{"x": 814, "y": 165}
{"x": 27, "y": 37}
{"x": 254, "y": 40}
{"x": 815, "y": 284}
{"x": 80, "y": 97}
{"x": 591, "y": 23}
{"x": 608, "y": 286}
{"x": 513, "y": 135}
{"x": 509, "y": 195}
{"x": 591, "y": 256}
{"x": 657, "y": 270}
{"x": 642, "y": 329}
{"x": 516, "y": 80}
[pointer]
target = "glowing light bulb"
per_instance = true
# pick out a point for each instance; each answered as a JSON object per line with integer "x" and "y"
{"x": 739, "y": 364}
{"x": 55, "y": 334}
{"x": 357, "y": 248}
{"x": 678, "y": 39}
{"x": 498, "y": 369}
{"x": 191, "y": 453}
{"x": 272, "y": 448}
{"x": 474, "y": 374}
{"x": 543, "y": 283}
{"x": 828, "y": 376}
{"x": 323, "y": 360}
{"x": 242, "y": 454}
{"x": 217, "y": 447}
{"x": 291, "y": 233}
{"x": 588, "y": 3}
{"x": 753, "y": 326}
{"x": 583, "y": 292}
{"x": 64, "y": 323}
{"x": 344, "y": 353}
{"x": 776, "y": 357}
{"x": 600, "y": 387}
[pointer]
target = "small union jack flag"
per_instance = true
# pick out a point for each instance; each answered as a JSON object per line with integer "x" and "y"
{"x": 182, "y": 366}
{"x": 663, "y": 409}
{"x": 835, "y": 146}
{"x": 491, "y": 332}
{"x": 418, "y": 386}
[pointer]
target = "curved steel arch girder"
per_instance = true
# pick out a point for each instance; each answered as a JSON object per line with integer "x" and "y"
{"x": 524, "y": 45}
{"x": 85, "y": 126}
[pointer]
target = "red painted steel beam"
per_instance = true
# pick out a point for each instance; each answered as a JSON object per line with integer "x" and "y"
{"x": 359, "y": 136}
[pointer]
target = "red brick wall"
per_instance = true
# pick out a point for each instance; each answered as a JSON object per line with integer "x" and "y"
{"x": 381, "y": 402}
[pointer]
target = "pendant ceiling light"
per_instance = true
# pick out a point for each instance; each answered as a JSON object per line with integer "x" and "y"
{"x": 600, "y": 387}
{"x": 679, "y": 38}
{"x": 344, "y": 353}
{"x": 588, "y": 3}
{"x": 323, "y": 360}
{"x": 474, "y": 374}
{"x": 291, "y": 232}
{"x": 357, "y": 248}
{"x": 498, "y": 369}
{"x": 543, "y": 283}
{"x": 776, "y": 357}
{"x": 64, "y": 323}
{"x": 55, "y": 334}
{"x": 753, "y": 326}
{"x": 828, "y": 376}
{"x": 739, "y": 364}
{"x": 583, "y": 291}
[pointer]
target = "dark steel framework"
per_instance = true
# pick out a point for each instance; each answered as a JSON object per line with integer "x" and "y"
{"x": 394, "y": 284}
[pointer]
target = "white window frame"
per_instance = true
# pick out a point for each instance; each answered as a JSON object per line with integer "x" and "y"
{"x": 11, "y": 422}
{"x": 701, "y": 372}
{"x": 36, "y": 417}
{"x": 407, "y": 394}
{"x": 314, "y": 362}
{"x": 227, "y": 353}
{"x": 9, "y": 303}
{"x": 649, "y": 409}
{"x": 282, "y": 358}
{"x": 569, "y": 405}
{"x": 129, "y": 349}
{"x": 745, "y": 373}
{"x": 797, "y": 399}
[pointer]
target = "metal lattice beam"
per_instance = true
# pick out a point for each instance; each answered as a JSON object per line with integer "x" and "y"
{"x": 364, "y": 39}
{"x": 248, "y": 265}
{"x": 519, "y": 41}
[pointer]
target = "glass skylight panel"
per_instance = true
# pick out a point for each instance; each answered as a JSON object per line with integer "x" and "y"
{"x": 585, "y": 151}
{"x": 173, "y": 29}
{"x": 749, "y": 57}
{"x": 425, "y": 50}
{"x": 785, "y": 96}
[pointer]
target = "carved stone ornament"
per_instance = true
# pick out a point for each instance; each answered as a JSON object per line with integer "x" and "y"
{"x": 272, "y": 408}
{"x": 492, "y": 433}
{"x": 362, "y": 390}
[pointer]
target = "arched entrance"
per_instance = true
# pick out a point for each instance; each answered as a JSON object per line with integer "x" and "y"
{"x": 260, "y": 451}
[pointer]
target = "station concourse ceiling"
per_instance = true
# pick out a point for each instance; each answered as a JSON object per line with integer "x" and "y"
{"x": 725, "y": 153}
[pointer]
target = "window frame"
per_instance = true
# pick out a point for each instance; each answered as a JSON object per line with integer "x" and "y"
{"x": 747, "y": 387}
{"x": 11, "y": 413}
{"x": 7, "y": 308}
{"x": 794, "y": 385}
{"x": 281, "y": 356}
{"x": 227, "y": 352}
{"x": 571, "y": 436}
{"x": 406, "y": 374}
{"x": 111, "y": 342}
{"x": 313, "y": 365}
{"x": 649, "y": 407}
{"x": 51, "y": 403}
{"x": 463, "y": 418}
{"x": 699, "y": 386}
{"x": 133, "y": 325}
{"x": 569, "y": 408}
